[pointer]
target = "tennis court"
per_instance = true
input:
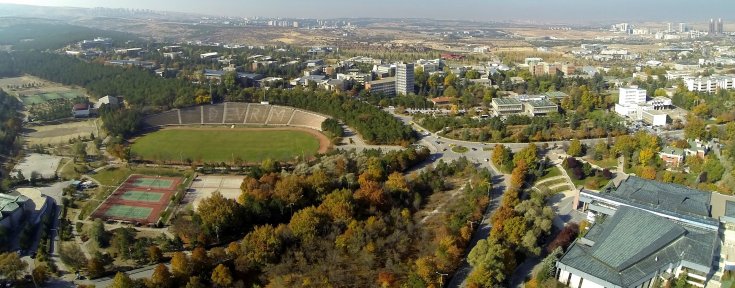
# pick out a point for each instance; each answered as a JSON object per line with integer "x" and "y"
{"x": 128, "y": 212}
{"x": 143, "y": 196}
{"x": 139, "y": 199}
{"x": 152, "y": 182}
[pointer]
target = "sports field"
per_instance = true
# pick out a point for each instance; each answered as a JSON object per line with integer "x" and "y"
{"x": 226, "y": 145}
{"x": 39, "y": 98}
{"x": 144, "y": 196}
{"x": 139, "y": 199}
{"x": 128, "y": 212}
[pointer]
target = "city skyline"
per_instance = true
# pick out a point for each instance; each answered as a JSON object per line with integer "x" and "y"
{"x": 530, "y": 11}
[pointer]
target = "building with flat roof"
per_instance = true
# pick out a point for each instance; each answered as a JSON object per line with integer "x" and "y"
{"x": 628, "y": 99}
{"x": 643, "y": 230}
{"x": 540, "y": 107}
{"x": 385, "y": 86}
{"x": 506, "y": 106}
{"x": 404, "y": 78}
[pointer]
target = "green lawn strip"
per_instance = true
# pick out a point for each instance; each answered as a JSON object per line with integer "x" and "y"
{"x": 459, "y": 149}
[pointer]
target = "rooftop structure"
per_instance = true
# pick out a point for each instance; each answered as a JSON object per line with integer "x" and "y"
{"x": 540, "y": 107}
{"x": 506, "y": 106}
{"x": 650, "y": 230}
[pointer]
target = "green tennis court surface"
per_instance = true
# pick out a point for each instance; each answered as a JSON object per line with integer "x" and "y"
{"x": 125, "y": 211}
{"x": 141, "y": 196}
{"x": 154, "y": 183}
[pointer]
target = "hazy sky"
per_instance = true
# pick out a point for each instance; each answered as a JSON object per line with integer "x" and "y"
{"x": 572, "y": 11}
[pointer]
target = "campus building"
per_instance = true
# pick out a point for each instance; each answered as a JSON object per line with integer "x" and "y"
{"x": 628, "y": 99}
{"x": 385, "y": 86}
{"x": 404, "y": 79}
{"x": 507, "y": 106}
{"x": 540, "y": 107}
{"x": 644, "y": 232}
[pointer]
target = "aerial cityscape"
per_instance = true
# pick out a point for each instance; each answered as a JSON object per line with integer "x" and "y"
{"x": 389, "y": 144}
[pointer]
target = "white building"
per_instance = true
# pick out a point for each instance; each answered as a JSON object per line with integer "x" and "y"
{"x": 709, "y": 84}
{"x": 628, "y": 101}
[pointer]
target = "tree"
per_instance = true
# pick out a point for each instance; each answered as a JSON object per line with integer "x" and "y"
{"x": 121, "y": 280}
{"x": 122, "y": 242}
{"x": 305, "y": 223}
{"x": 72, "y": 256}
{"x": 218, "y": 213}
{"x": 221, "y": 276}
{"x": 11, "y": 266}
{"x": 194, "y": 282}
{"x": 488, "y": 260}
{"x": 180, "y": 265}
{"x": 575, "y": 148}
{"x": 200, "y": 261}
{"x": 648, "y": 172}
{"x": 154, "y": 254}
{"x": 98, "y": 234}
{"x": 161, "y": 277}
{"x": 694, "y": 128}
{"x": 95, "y": 267}
{"x": 40, "y": 274}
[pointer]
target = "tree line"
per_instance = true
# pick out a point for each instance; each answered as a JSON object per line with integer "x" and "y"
{"x": 10, "y": 128}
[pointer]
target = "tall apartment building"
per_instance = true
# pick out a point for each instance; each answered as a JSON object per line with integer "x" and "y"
{"x": 404, "y": 78}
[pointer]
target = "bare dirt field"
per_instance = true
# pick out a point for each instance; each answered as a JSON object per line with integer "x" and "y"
{"x": 60, "y": 133}
{"x": 204, "y": 185}
{"x": 44, "y": 164}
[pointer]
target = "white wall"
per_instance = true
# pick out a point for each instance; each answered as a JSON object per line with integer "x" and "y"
{"x": 574, "y": 282}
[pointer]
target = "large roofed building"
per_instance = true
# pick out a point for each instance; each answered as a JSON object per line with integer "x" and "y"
{"x": 645, "y": 230}
{"x": 12, "y": 210}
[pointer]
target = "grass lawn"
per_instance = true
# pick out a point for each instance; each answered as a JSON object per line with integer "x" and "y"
{"x": 459, "y": 149}
{"x": 604, "y": 163}
{"x": 552, "y": 171}
{"x": 222, "y": 145}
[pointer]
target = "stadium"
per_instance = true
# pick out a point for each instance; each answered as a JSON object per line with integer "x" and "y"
{"x": 230, "y": 132}
{"x": 236, "y": 113}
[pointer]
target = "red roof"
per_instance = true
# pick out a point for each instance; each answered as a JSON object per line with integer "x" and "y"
{"x": 81, "y": 106}
{"x": 442, "y": 100}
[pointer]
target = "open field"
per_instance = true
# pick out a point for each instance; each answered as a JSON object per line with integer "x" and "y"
{"x": 38, "y": 91}
{"x": 204, "y": 185}
{"x": 43, "y": 164}
{"x": 139, "y": 199}
{"x": 60, "y": 133}
{"x": 226, "y": 145}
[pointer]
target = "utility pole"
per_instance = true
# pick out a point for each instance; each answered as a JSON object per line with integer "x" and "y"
{"x": 441, "y": 278}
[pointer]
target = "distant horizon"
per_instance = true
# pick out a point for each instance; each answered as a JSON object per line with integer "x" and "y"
{"x": 519, "y": 11}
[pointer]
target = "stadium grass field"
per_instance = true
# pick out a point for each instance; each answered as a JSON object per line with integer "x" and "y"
{"x": 224, "y": 144}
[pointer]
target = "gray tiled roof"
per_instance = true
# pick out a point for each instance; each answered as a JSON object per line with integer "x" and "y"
{"x": 633, "y": 244}
{"x": 664, "y": 196}
{"x": 730, "y": 209}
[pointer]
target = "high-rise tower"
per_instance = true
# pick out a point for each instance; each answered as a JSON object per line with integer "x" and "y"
{"x": 404, "y": 78}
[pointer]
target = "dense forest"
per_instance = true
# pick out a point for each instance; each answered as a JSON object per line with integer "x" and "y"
{"x": 350, "y": 220}
{"x": 141, "y": 89}
{"x": 10, "y": 127}
{"x": 42, "y": 35}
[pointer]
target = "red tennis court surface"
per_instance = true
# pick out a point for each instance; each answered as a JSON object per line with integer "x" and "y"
{"x": 143, "y": 209}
